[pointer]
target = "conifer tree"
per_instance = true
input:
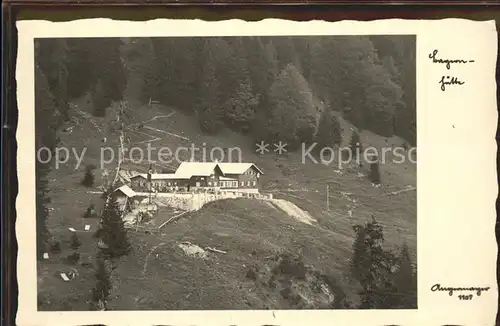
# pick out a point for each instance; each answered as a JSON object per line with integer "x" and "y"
{"x": 374, "y": 175}
{"x": 75, "y": 243}
{"x": 292, "y": 113}
{"x": 42, "y": 212}
{"x": 240, "y": 109}
{"x": 356, "y": 146}
{"x": 373, "y": 267}
{"x": 405, "y": 281}
{"x": 46, "y": 124}
{"x": 112, "y": 231}
{"x": 210, "y": 113}
{"x": 88, "y": 179}
{"x": 329, "y": 131}
{"x": 100, "y": 100}
{"x": 100, "y": 293}
{"x": 90, "y": 211}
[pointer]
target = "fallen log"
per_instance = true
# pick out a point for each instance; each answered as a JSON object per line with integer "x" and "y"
{"x": 216, "y": 250}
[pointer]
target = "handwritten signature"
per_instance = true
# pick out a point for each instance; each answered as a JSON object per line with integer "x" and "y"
{"x": 450, "y": 290}
{"x": 448, "y": 80}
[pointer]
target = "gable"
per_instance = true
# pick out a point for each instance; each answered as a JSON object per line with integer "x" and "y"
{"x": 189, "y": 169}
{"x": 238, "y": 168}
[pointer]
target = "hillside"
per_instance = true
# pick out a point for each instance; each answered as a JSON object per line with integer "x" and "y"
{"x": 293, "y": 252}
{"x": 248, "y": 230}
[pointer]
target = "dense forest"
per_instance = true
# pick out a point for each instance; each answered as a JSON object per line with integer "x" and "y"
{"x": 279, "y": 87}
{"x": 272, "y": 88}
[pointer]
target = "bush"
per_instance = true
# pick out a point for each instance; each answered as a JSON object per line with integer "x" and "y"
{"x": 55, "y": 246}
{"x": 292, "y": 266}
{"x": 252, "y": 273}
{"x": 75, "y": 242}
{"x": 374, "y": 175}
{"x": 286, "y": 292}
{"x": 90, "y": 211}
{"x": 88, "y": 179}
{"x": 73, "y": 258}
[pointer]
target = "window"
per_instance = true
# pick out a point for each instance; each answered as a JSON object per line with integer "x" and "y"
{"x": 242, "y": 184}
{"x": 210, "y": 183}
{"x": 248, "y": 183}
{"x": 254, "y": 183}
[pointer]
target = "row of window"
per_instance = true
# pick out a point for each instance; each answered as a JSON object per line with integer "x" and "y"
{"x": 232, "y": 184}
{"x": 157, "y": 184}
{"x": 252, "y": 172}
{"x": 228, "y": 184}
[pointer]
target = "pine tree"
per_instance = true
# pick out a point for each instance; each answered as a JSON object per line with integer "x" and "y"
{"x": 100, "y": 293}
{"x": 292, "y": 113}
{"x": 406, "y": 281}
{"x": 402, "y": 68}
{"x": 142, "y": 70}
{"x": 75, "y": 243}
{"x": 112, "y": 231}
{"x": 46, "y": 124}
{"x": 240, "y": 108}
{"x": 100, "y": 100}
{"x": 329, "y": 131}
{"x": 52, "y": 58}
{"x": 373, "y": 267}
{"x": 178, "y": 63}
{"x": 42, "y": 212}
{"x": 356, "y": 146}
{"x": 210, "y": 113}
{"x": 90, "y": 211}
{"x": 81, "y": 66}
{"x": 374, "y": 175}
{"x": 88, "y": 179}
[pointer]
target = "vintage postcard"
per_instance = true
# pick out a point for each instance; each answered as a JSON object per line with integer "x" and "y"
{"x": 186, "y": 172}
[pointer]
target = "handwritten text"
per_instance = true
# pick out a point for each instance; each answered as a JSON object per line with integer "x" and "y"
{"x": 447, "y": 62}
{"x": 448, "y": 80}
{"x": 450, "y": 290}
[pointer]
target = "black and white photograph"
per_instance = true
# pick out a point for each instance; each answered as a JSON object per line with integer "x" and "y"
{"x": 226, "y": 173}
{"x": 256, "y": 173}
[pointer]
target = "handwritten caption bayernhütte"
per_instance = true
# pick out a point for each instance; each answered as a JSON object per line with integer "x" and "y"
{"x": 448, "y": 80}
{"x": 468, "y": 296}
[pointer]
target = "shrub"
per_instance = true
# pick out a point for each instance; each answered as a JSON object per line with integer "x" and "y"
{"x": 292, "y": 266}
{"x": 90, "y": 211}
{"x": 88, "y": 178}
{"x": 252, "y": 273}
{"x": 286, "y": 292}
{"x": 55, "y": 246}
{"x": 374, "y": 175}
{"x": 73, "y": 258}
{"x": 75, "y": 242}
{"x": 100, "y": 292}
